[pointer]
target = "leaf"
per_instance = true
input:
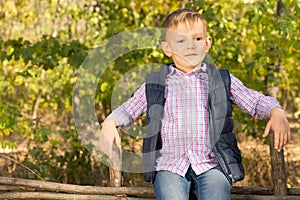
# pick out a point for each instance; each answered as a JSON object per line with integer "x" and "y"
{"x": 54, "y": 142}
{"x": 104, "y": 86}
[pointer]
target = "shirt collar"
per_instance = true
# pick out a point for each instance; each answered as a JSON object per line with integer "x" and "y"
{"x": 174, "y": 71}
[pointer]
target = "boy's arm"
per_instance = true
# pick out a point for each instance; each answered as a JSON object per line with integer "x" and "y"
{"x": 279, "y": 124}
{"x": 124, "y": 115}
{"x": 109, "y": 136}
{"x": 261, "y": 106}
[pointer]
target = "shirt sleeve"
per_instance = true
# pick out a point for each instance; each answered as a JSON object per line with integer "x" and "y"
{"x": 130, "y": 110}
{"x": 251, "y": 101}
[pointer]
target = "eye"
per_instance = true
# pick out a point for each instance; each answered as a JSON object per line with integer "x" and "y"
{"x": 180, "y": 41}
{"x": 198, "y": 38}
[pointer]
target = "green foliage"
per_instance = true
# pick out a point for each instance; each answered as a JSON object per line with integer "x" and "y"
{"x": 43, "y": 45}
{"x": 60, "y": 158}
{"x": 45, "y": 53}
{"x": 10, "y": 114}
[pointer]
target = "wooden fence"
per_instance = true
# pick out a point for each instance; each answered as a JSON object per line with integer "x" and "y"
{"x": 15, "y": 188}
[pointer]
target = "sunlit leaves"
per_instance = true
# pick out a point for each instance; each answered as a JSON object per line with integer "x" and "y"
{"x": 45, "y": 53}
{"x": 247, "y": 39}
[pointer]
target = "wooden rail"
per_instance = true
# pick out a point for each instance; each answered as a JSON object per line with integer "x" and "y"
{"x": 15, "y": 188}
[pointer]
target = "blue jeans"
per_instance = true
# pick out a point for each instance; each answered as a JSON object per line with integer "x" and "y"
{"x": 210, "y": 185}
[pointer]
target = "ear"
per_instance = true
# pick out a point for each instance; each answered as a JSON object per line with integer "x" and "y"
{"x": 166, "y": 48}
{"x": 208, "y": 43}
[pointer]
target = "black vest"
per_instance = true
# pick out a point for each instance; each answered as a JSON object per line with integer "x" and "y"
{"x": 223, "y": 141}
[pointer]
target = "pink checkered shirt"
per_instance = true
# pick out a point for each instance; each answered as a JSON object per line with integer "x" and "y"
{"x": 185, "y": 131}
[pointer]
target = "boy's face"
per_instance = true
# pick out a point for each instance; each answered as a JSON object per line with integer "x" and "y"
{"x": 187, "y": 44}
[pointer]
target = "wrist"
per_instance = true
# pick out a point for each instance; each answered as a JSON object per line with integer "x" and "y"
{"x": 277, "y": 110}
{"x": 109, "y": 122}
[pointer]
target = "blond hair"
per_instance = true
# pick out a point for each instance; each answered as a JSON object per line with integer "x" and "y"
{"x": 183, "y": 15}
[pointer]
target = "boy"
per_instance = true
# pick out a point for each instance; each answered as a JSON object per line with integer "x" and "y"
{"x": 196, "y": 151}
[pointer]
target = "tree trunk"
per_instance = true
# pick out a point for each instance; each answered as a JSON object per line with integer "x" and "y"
{"x": 55, "y": 20}
{"x": 115, "y": 175}
{"x": 38, "y": 97}
{"x": 69, "y": 23}
{"x": 277, "y": 158}
{"x": 38, "y": 24}
{"x": 278, "y": 169}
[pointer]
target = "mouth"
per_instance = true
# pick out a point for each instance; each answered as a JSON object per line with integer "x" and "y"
{"x": 191, "y": 54}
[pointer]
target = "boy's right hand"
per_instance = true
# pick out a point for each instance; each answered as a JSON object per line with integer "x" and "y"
{"x": 109, "y": 136}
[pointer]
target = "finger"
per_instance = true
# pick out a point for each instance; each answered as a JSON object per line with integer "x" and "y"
{"x": 284, "y": 139}
{"x": 281, "y": 141}
{"x": 105, "y": 148}
{"x": 105, "y": 144}
{"x": 287, "y": 136}
{"x": 118, "y": 140}
{"x": 267, "y": 130}
{"x": 276, "y": 141}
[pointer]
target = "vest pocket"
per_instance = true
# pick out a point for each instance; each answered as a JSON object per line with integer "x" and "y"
{"x": 227, "y": 147}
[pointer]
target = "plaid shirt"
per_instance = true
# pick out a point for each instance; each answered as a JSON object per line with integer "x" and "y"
{"x": 185, "y": 134}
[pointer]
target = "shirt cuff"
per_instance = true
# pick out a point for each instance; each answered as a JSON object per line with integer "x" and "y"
{"x": 121, "y": 117}
{"x": 272, "y": 105}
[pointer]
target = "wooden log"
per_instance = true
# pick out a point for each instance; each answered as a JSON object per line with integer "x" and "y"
{"x": 11, "y": 188}
{"x": 261, "y": 191}
{"x": 62, "y": 196}
{"x": 234, "y": 190}
{"x": 261, "y": 197}
{"x": 115, "y": 174}
{"x": 13, "y": 184}
{"x": 77, "y": 189}
{"x": 251, "y": 190}
{"x": 294, "y": 191}
{"x": 278, "y": 169}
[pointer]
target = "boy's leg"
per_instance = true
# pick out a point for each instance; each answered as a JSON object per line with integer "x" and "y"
{"x": 168, "y": 185}
{"x": 212, "y": 184}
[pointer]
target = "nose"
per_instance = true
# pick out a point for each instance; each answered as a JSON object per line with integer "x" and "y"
{"x": 191, "y": 44}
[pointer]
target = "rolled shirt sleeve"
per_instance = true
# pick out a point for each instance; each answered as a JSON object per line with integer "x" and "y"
{"x": 130, "y": 110}
{"x": 251, "y": 101}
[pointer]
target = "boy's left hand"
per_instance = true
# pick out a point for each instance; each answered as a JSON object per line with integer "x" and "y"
{"x": 279, "y": 124}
